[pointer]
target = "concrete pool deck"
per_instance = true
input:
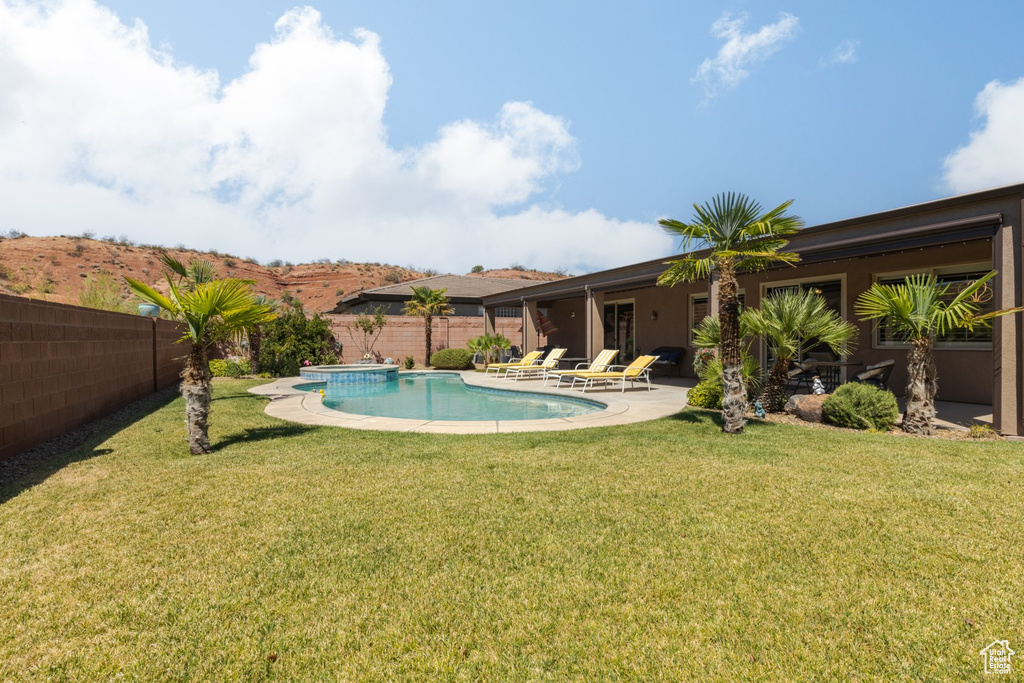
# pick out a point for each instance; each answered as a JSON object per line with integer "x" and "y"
{"x": 633, "y": 405}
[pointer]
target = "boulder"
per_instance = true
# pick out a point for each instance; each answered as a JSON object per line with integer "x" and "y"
{"x": 807, "y": 407}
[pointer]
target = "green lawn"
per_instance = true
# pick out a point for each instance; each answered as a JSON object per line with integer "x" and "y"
{"x": 664, "y": 550}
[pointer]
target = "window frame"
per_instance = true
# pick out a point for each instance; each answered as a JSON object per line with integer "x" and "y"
{"x": 844, "y": 295}
{"x": 936, "y": 271}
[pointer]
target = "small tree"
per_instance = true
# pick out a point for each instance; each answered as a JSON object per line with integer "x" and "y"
{"x": 292, "y": 340}
{"x": 428, "y": 302}
{"x": 366, "y": 329}
{"x": 104, "y": 292}
{"x": 916, "y": 311}
{"x": 255, "y": 335}
{"x": 787, "y": 318}
{"x": 212, "y": 311}
{"x": 488, "y": 345}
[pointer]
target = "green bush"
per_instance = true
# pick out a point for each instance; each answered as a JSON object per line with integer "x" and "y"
{"x": 707, "y": 394}
{"x": 292, "y": 338}
{"x": 410, "y": 362}
{"x": 229, "y": 368}
{"x": 861, "y": 406}
{"x": 452, "y": 359}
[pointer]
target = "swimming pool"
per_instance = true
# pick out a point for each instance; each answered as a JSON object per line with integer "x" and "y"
{"x": 444, "y": 396}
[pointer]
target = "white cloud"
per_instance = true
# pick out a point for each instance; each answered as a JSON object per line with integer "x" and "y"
{"x": 843, "y": 53}
{"x": 741, "y": 51}
{"x": 101, "y": 131}
{"x": 995, "y": 153}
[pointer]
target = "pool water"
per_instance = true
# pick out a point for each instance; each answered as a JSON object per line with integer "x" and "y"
{"x": 446, "y": 397}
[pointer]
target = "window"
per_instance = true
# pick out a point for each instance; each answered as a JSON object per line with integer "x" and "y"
{"x": 507, "y": 312}
{"x": 832, "y": 292}
{"x": 700, "y": 308}
{"x": 957, "y": 278}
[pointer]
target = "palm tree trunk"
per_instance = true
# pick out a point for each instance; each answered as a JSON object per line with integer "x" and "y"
{"x": 922, "y": 384}
{"x": 734, "y": 394}
{"x": 195, "y": 389}
{"x": 429, "y": 322}
{"x": 774, "y": 397}
{"x": 255, "y": 337}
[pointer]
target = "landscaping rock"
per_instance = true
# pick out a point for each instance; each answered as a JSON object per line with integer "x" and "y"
{"x": 807, "y": 407}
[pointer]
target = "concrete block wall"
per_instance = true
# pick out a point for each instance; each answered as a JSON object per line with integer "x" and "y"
{"x": 63, "y": 366}
{"x": 404, "y": 336}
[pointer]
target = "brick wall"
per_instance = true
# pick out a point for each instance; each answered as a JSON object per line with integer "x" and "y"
{"x": 404, "y": 336}
{"x": 63, "y": 366}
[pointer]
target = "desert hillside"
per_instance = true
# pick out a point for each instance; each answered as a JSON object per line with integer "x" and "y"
{"x": 59, "y": 268}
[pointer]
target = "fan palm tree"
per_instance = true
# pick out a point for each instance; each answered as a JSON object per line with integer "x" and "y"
{"x": 428, "y": 302}
{"x": 728, "y": 235}
{"x": 916, "y": 311}
{"x": 211, "y": 311}
{"x": 786, "y": 318}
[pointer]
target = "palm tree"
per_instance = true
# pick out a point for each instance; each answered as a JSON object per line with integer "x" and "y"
{"x": 428, "y": 302}
{"x": 916, "y": 311}
{"x": 726, "y": 236}
{"x": 211, "y": 311}
{"x": 785, "y": 319}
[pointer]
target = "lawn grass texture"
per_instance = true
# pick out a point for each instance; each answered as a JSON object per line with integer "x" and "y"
{"x": 658, "y": 551}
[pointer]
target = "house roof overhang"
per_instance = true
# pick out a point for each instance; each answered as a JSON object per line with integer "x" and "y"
{"x": 911, "y": 227}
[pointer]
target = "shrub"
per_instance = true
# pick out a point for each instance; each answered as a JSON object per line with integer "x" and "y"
{"x": 861, "y": 406}
{"x": 707, "y": 394}
{"x": 292, "y": 338}
{"x": 410, "y": 362}
{"x": 229, "y": 368}
{"x": 452, "y": 359}
{"x": 477, "y": 269}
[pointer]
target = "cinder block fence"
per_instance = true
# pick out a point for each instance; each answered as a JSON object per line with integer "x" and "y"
{"x": 63, "y": 366}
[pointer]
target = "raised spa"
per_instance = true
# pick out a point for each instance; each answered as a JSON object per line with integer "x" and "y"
{"x": 443, "y": 396}
{"x": 350, "y": 374}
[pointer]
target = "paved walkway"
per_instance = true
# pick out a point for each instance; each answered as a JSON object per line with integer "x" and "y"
{"x": 633, "y": 405}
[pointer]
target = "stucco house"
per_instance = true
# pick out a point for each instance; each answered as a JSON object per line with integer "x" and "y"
{"x": 955, "y": 238}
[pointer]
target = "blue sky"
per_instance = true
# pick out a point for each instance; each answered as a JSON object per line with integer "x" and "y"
{"x": 848, "y": 108}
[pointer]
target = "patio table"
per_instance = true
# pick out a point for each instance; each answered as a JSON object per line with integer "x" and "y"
{"x": 831, "y": 371}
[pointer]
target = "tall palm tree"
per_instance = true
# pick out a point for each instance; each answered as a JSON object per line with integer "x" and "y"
{"x": 728, "y": 235}
{"x": 916, "y": 311}
{"x": 211, "y": 311}
{"x": 428, "y": 302}
{"x": 787, "y": 318}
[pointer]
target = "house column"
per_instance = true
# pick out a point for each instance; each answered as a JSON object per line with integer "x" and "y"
{"x": 1007, "y": 368}
{"x": 594, "y": 316}
{"x": 712, "y": 295}
{"x": 529, "y": 326}
{"x": 490, "y": 324}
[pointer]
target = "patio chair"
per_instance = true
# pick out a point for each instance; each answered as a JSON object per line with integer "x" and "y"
{"x": 800, "y": 375}
{"x": 529, "y": 359}
{"x": 599, "y": 364}
{"x": 549, "y": 363}
{"x": 638, "y": 370}
{"x": 669, "y": 357}
{"x": 877, "y": 374}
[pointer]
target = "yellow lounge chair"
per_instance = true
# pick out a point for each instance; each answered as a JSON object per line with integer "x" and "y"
{"x": 550, "y": 362}
{"x": 600, "y": 364}
{"x": 640, "y": 369}
{"x": 529, "y": 359}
